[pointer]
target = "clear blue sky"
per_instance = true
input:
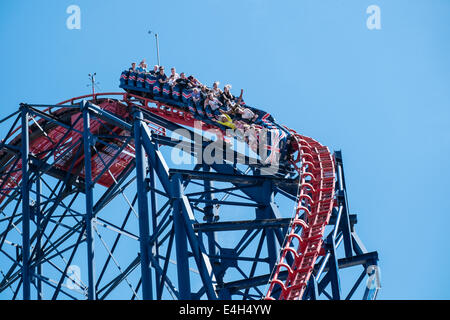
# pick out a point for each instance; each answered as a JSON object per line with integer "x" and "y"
{"x": 382, "y": 96}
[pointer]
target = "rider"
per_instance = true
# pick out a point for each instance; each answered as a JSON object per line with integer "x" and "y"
{"x": 162, "y": 78}
{"x": 133, "y": 67}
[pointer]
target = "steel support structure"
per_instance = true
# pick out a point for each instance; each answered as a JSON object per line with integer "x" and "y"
{"x": 26, "y": 270}
{"x": 197, "y": 231}
{"x": 89, "y": 204}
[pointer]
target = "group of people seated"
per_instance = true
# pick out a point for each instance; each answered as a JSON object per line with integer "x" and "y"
{"x": 218, "y": 105}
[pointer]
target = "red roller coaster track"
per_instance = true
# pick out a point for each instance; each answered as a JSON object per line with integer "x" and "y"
{"x": 313, "y": 162}
{"x": 315, "y": 200}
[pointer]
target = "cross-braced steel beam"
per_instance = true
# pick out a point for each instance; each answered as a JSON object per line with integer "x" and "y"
{"x": 92, "y": 207}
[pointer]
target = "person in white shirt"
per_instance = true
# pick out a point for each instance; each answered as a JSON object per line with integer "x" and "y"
{"x": 213, "y": 102}
{"x": 211, "y": 106}
{"x": 173, "y": 77}
{"x": 216, "y": 90}
{"x": 247, "y": 114}
{"x": 155, "y": 70}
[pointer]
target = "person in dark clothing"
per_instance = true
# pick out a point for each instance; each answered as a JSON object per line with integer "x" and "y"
{"x": 183, "y": 82}
{"x": 194, "y": 82}
{"x": 204, "y": 92}
{"x": 162, "y": 78}
{"x": 226, "y": 96}
{"x": 288, "y": 150}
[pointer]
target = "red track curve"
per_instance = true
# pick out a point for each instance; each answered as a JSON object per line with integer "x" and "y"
{"x": 315, "y": 201}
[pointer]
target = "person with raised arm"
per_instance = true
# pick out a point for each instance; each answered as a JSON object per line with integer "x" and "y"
{"x": 142, "y": 66}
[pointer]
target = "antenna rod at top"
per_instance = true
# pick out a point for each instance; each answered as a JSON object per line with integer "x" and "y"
{"x": 157, "y": 46}
{"x": 92, "y": 77}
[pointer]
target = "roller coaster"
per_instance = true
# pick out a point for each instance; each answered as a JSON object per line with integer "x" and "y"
{"x": 94, "y": 206}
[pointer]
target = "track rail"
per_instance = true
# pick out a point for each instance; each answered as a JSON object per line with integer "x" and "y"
{"x": 313, "y": 162}
{"x": 315, "y": 201}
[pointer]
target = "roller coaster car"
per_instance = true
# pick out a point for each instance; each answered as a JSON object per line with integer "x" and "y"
{"x": 146, "y": 84}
